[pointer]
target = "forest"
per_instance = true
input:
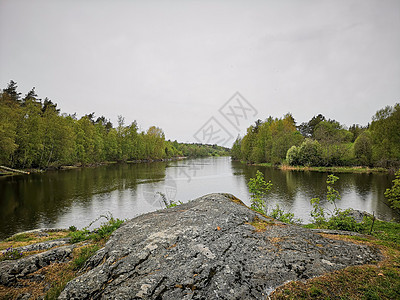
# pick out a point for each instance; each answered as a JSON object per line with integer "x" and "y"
{"x": 35, "y": 134}
{"x": 323, "y": 142}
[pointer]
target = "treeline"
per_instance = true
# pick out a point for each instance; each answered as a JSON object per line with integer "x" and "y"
{"x": 34, "y": 134}
{"x": 201, "y": 150}
{"x": 323, "y": 142}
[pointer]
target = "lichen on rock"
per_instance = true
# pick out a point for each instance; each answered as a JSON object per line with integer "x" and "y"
{"x": 209, "y": 249}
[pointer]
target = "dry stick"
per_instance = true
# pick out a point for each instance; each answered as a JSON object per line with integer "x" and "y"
{"x": 373, "y": 221}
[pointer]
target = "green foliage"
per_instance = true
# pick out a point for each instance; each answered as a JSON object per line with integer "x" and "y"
{"x": 318, "y": 212}
{"x": 269, "y": 141}
{"x": 286, "y": 217}
{"x": 307, "y": 128}
{"x": 332, "y": 195}
{"x": 235, "y": 151}
{"x": 341, "y": 220}
{"x": 258, "y": 189}
{"x": 84, "y": 254}
{"x": 385, "y": 135}
{"x": 363, "y": 148}
{"x": 308, "y": 154}
{"x": 79, "y": 235}
{"x": 393, "y": 194}
{"x": 103, "y": 232}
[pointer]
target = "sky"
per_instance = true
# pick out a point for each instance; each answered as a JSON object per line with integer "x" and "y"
{"x": 195, "y": 67}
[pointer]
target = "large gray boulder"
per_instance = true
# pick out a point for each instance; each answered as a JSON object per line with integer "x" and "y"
{"x": 209, "y": 249}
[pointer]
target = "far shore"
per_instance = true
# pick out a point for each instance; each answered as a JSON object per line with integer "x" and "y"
{"x": 8, "y": 171}
{"x": 336, "y": 169}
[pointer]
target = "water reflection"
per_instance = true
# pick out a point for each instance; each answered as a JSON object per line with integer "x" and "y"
{"x": 76, "y": 197}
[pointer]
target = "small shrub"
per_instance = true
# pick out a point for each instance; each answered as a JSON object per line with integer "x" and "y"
{"x": 258, "y": 188}
{"x": 79, "y": 235}
{"x": 104, "y": 231}
{"x": 318, "y": 212}
{"x": 107, "y": 229}
{"x": 286, "y": 217}
{"x": 342, "y": 221}
{"x": 72, "y": 228}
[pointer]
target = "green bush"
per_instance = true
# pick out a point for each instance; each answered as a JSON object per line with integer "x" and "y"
{"x": 309, "y": 153}
{"x": 258, "y": 188}
{"x": 393, "y": 194}
{"x": 342, "y": 221}
{"x": 286, "y": 217}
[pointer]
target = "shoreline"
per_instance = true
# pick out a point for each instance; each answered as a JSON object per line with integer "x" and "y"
{"x": 93, "y": 165}
{"x": 336, "y": 169}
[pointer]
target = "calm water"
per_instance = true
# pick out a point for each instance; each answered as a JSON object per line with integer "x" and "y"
{"x": 77, "y": 197}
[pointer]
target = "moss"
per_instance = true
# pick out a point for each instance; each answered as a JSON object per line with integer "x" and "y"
{"x": 261, "y": 225}
{"x": 234, "y": 199}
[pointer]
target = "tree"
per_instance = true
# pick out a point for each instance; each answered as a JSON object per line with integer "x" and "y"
{"x": 363, "y": 148}
{"x": 307, "y": 128}
{"x": 385, "y": 135}
{"x": 235, "y": 152}
{"x": 9, "y": 116}
{"x": 356, "y": 130}
{"x": 292, "y": 156}
{"x": 30, "y": 134}
{"x": 12, "y": 92}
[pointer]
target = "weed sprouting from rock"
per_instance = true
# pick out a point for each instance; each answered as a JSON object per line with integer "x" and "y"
{"x": 102, "y": 232}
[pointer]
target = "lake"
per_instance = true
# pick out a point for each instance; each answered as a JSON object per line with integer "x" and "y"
{"x": 59, "y": 199}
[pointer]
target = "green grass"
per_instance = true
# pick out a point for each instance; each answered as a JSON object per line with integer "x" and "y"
{"x": 22, "y": 237}
{"x": 84, "y": 254}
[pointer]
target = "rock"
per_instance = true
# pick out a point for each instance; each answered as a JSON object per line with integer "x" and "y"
{"x": 38, "y": 232}
{"x": 41, "y": 246}
{"x": 213, "y": 247}
{"x": 11, "y": 270}
{"x": 359, "y": 215}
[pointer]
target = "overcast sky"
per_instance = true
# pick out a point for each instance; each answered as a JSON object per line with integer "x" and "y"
{"x": 174, "y": 64}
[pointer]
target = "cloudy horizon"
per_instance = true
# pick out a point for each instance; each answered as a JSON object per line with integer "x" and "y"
{"x": 175, "y": 64}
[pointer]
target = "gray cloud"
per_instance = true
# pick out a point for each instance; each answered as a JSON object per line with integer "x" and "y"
{"x": 174, "y": 64}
